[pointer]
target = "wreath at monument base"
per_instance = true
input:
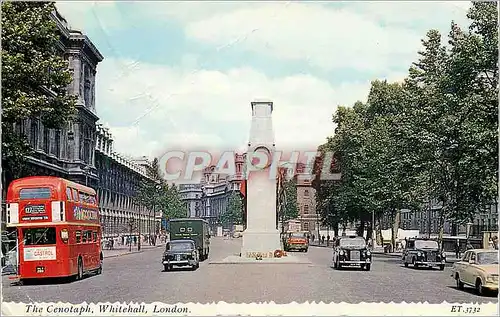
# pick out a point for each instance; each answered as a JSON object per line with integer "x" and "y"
{"x": 278, "y": 254}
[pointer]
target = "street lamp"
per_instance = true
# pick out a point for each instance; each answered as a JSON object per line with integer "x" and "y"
{"x": 467, "y": 234}
{"x": 85, "y": 170}
{"x": 130, "y": 224}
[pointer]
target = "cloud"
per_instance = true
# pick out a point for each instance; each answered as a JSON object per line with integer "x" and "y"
{"x": 158, "y": 107}
{"x": 328, "y": 38}
{"x": 85, "y": 15}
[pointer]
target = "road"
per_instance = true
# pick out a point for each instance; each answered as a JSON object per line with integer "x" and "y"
{"x": 139, "y": 277}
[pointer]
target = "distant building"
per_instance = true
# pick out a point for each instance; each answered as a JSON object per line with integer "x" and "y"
{"x": 209, "y": 198}
{"x": 306, "y": 200}
{"x": 119, "y": 179}
{"x": 427, "y": 222}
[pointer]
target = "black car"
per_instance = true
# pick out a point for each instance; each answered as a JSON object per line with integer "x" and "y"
{"x": 181, "y": 253}
{"x": 351, "y": 251}
{"x": 423, "y": 253}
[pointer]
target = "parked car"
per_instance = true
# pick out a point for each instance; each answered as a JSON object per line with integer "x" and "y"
{"x": 479, "y": 269}
{"x": 351, "y": 251}
{"x": 296, "y": 241}
{"x": 423, "y": 253}
{"x": 181, "y": 253}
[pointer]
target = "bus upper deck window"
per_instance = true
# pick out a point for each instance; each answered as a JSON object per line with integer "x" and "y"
{"x": 68, "y": 194}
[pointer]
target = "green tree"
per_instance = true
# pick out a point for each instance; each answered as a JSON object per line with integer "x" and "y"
{"x": 233, "y": 215}
{"x": 155, "y": 194}
{"x": 291, "y": 209}
{"x": 432, "y": 138}
{"x": 172, "y": 204}
{"x": 35, "y": 77}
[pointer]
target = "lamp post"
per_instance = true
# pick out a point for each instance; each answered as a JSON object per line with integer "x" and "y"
{"x": 130, "y": 224}
{"x": 467, "y": 234}
{"x": 85, "y": 170}
{"x": 373, "y": 229}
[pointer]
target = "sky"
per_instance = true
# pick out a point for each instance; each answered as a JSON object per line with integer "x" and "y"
{"x": 183, "y": 74}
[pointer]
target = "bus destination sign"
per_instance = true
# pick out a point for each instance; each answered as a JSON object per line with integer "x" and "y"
{"x": 34, "y": 209}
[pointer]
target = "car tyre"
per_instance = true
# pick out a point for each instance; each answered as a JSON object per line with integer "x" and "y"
{"x": 479, "y": 287}
{"x": 441, "y": 267}
{"x": 166, "y": 267}
{"x": 415, "y": 265}
{"x": 406, "y": 264}
{"x": 460, "y": 285}
{"x": 367, "y": 267}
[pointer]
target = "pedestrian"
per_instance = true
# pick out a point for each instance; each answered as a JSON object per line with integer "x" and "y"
{"x": 490, "y": 244}
{"x": 457, "y": 249}
{"x": 313, "y": 238}
{"x": 135, "y": 240}
{"x": 323, "y": 239}
{"x": 328, "y": 240}
{"x": 495, "y": 242}
{"x": 112, "y": 243}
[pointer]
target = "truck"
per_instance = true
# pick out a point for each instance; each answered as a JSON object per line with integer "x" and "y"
{"x": 195, "y": 229}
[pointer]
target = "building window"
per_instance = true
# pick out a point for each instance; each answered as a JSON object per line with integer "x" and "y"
{"x": 57, "y": 143}
{"x": 306, "y": 192}
{"x": 306, "y": 209}
{"x": 306, "y": 226}
{"x": 34, "y": 133}
{"x": 46, "y": 140}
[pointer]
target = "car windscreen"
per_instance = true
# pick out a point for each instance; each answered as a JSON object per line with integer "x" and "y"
{"x": 355, "y": 243}
{"x": 39, "y": 236}
{"x": 419, "y": 244}
{"x": 184, "y": 246}
{"x": 487, "y": 258}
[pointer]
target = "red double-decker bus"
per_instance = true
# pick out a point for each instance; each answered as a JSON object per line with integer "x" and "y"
{"x": 58, "y": 227}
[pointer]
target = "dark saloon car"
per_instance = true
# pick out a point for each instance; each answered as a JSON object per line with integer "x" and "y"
{"x": 181, "y": 253}
{"x": 351, "y": 251}
{"x": 423, "y": 253}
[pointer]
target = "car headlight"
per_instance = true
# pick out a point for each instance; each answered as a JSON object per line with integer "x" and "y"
{"x": 492, "y": 278}
{"x": 341, "y": 252}
{"x": 368, "y": 253}
{"x": 443, "y": 255}
{"x": 419, "y": 254}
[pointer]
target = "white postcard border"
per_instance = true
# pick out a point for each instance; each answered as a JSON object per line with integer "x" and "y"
{"x": 252, "y": 309}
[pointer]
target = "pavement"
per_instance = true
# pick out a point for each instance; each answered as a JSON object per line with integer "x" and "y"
{"x": 450, "y": 256}
{"x": 139, "y": 277}
{"x": 124, "y": 250}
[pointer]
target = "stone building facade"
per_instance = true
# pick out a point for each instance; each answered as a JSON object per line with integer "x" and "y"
{"x": 426, "y": 222}
{"x": 119, "y": 177}
{"x": 209, "y": 198}
{"x": 82, "y": 150}
{"x": 68, "y": 152}
{"x": 306, "y": 200}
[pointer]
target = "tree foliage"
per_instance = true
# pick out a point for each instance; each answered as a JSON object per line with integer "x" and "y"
{"x": 290, "y": 207}
{"x": 35, "y": 76}
{"x": 154, "y": 193}
{"x": 233, "y": 215}
{"x": 432, "y": 138}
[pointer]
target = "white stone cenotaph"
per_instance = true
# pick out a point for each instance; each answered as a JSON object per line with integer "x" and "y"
{"x": 261, "y": 235}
